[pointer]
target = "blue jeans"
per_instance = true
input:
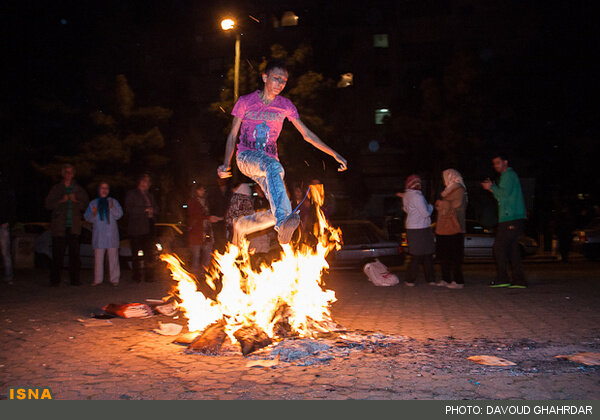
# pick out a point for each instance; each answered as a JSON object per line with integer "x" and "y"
{"x": 267, "y": 172}
{"x": 5, "y": 251}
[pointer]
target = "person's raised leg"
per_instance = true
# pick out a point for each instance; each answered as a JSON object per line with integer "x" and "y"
{"x": 269, "y": 174}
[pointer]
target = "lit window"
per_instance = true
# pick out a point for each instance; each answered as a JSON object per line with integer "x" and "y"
{"x": 380, "y": 41}
{"x": 381, "y": 115}
{"x": 289, "y": 19}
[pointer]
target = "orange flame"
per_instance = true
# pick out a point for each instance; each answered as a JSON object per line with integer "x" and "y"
{"x": 289, "y": 290}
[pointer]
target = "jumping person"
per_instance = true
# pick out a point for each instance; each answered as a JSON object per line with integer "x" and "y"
{"x": 260, "y": 117}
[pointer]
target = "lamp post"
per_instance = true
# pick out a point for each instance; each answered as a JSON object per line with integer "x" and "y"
{"x": 227, "y": 25}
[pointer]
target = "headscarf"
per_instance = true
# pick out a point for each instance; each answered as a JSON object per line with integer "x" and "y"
{"x": 452, "y": 179}
{"x": 413, "y": 182}
{"x": 103, "y": 208}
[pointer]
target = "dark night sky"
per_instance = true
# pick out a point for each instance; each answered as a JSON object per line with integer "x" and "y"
{"x": 70, "y": 51}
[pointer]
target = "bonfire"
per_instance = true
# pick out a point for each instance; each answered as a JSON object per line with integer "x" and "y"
{"x": 254, "y": 307}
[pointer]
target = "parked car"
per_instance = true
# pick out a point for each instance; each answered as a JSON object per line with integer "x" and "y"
{"x": 170, "y": 237}
{"x": 587, "y": 240}
{"x": 43, "y": 248}
{"x": 362, "y": 243}
{"x": 479, "y": 242}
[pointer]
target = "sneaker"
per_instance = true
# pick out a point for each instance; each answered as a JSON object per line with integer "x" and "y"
{"x": 287, "y": 228}
{"x": 441, "y": 283}
{"x": 432, "y": 283}
{"x": 518, "y": 286}
{"x": 497, "y": 285}
{"x": 406, "y": 283}
{"x": 455, "y": 285}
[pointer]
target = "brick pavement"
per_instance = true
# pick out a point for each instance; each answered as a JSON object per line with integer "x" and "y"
{"x": 44, "y": 345}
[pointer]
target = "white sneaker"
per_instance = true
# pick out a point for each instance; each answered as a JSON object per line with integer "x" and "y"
{"x": 287, "y": 228}
{"x": 442, "y": 283}
{"x": 252, "y": 223}
{"x": 455, "y": 285}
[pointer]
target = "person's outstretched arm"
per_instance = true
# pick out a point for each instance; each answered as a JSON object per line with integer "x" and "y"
{"x": 313, "y": 139}
{"x": 230, "y": 145}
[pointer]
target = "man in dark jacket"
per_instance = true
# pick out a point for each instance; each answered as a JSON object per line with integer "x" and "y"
{"x": 141, "y": 210}
{"x": 7, "y": 216}
{"x": 67, "y": 201}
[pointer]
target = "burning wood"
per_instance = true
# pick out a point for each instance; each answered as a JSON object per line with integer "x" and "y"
{"x": 211, "y": 340}
{"x": 254, "y": 306}
{"x": 251, "y": 339}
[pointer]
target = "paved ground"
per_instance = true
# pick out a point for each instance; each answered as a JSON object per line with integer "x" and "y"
{"x": 44, "y": 345}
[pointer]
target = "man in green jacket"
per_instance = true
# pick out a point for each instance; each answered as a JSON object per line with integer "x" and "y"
{"x": 511, "y": 223}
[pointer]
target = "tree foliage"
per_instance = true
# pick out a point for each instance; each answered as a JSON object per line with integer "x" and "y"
{"x": 127, "y": 141}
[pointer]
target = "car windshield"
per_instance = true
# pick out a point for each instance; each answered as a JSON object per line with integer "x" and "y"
{"x": 359, "y": 233}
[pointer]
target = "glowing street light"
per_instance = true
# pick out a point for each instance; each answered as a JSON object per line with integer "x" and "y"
{"x": 227, "y": 25}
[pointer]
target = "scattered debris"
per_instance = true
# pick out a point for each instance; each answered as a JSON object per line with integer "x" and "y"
{"x": 291, "y": 350}
{"x": 379, "y": 275}
{"x": 168, "y": 309}
{"x": 491, "y": 361}
{"x": 91, "y": 322}
{"x": 168, "y": 329}
{"x": 103, "y": 316}
{"x": 128, "y": 310}
{"x": 585, "y": 358}
{"x": 154, "y": 301}
{"x": 263, "y": 363}
{"x": 186, "y": 338}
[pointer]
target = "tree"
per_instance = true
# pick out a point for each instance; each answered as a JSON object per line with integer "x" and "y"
{"x": 444, "y": 130}
{"x": 127, "y": 141}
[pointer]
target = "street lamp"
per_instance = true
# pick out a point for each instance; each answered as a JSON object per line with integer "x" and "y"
{"x": 227, "y": 25}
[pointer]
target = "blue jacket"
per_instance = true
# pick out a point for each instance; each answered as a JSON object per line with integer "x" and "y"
{"x": 105, "y": 235}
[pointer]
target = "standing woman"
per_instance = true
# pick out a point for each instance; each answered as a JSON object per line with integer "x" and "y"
{"x": 450, "y": 229}
{"x": 103, "y": 212}
{"x": 418, "y": 231}
{"x": 200, "y": 236}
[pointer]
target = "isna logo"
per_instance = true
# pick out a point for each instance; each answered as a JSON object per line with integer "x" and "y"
{"x": 30, "y": 393}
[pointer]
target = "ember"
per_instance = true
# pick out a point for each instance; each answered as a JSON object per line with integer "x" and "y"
{"x": 254, "y": 307}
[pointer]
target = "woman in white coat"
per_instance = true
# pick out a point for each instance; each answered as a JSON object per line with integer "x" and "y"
{"x": 103, "y": 212}
{"x": 419, "y": 235}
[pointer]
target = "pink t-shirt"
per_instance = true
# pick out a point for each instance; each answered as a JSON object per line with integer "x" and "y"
{"x": 261, "y": 124}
